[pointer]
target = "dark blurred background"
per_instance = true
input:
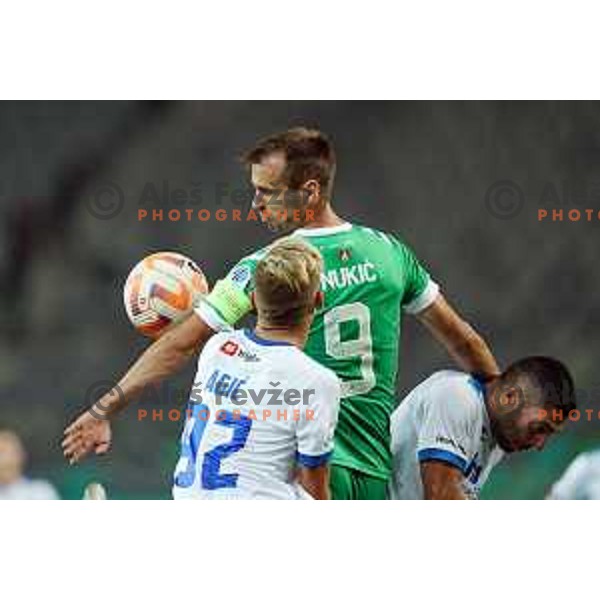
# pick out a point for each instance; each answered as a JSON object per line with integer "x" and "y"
{"x": 461, "y": 182}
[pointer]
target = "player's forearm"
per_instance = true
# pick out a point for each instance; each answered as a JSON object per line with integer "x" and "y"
{"x": 445, "y": 491}
{"x": 165, "y": 357}
{"x": 472, "y": 353}
{"x": 442, "y": 482}
{"x": 315, "y": 482}
{"x": 460, "y": 340}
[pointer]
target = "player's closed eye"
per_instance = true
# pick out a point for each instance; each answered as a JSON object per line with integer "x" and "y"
{"x": 541, "y": 428}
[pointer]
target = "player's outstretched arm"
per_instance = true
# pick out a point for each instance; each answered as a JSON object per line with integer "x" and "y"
{"x": 442, "y": 481}
{"x": 168, "y": 355}
{"x": 462, "y": 342}
{"x": 91, "y": 432}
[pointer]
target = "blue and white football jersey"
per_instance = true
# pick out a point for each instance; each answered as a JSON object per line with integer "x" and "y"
{"x": 258, "y": 409}
{"x": 444, "y": 418}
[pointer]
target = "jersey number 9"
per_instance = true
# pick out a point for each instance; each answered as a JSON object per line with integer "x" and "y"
{"x": 359, "y": 348}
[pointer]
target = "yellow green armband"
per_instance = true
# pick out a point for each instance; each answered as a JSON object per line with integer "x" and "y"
{"x": 229, "y": 301}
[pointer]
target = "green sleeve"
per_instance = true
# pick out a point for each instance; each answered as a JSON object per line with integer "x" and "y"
{"x": 416, "y": 277}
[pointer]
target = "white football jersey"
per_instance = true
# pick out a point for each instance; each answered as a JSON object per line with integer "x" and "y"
{"x": 28, "y": 489}
{"x": 444, "y": 418}
{"x": 581, "y": 481}
{"x": 258, "y": 409}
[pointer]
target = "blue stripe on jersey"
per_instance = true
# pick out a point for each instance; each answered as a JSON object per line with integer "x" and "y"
{"x": 478, "y": 385}
{"x": 444, "y": 456}
{"x": 251, "y": 335}
{"x": 313, "y": 461}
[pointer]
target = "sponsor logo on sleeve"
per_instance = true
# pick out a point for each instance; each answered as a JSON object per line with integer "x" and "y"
{"x": 240, "y": 276}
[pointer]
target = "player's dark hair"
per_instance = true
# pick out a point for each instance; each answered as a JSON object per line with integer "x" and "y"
{"x": 308, "y": 153}
{"x": 548, "y": 379}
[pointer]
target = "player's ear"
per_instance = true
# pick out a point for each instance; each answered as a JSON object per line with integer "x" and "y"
{"x": 253, "y": 300}
{"x": 319, "y": 297}
{"x": 312, "y": 191}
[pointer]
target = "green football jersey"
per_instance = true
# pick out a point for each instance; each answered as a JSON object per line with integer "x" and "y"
{"x": 369, "y": 278}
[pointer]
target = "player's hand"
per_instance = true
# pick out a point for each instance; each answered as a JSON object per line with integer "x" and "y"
{"x": 90, "y": 432}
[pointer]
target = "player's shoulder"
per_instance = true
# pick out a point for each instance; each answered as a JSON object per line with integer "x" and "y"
{"x": 241, "y": 273}
{"x": 316, "y": 373}
{"x": 240, "y": 277}
{"x": 373, "y": 233}
{"x": 455, "y": 390}
{"x": 385, "y": 240}
{"x": 587, "y": 461}
{"x": 578, "y": 480}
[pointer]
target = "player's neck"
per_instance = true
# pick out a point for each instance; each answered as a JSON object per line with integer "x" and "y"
{"x": 296, "y": 336}
{"x": 490, "y": 390}
{"x": 324, "y": 218}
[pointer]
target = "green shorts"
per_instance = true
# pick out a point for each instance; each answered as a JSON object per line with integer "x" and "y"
{"x": 349, "y": 484}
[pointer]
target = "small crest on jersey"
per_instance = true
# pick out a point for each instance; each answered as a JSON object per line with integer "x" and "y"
{"x": 344, "y": 254}
{"x": 240, "y": 276}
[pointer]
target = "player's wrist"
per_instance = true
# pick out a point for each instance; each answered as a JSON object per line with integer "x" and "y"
{"x": 109, "y": 404}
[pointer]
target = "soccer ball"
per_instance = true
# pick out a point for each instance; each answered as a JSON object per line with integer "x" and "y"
{"x": 161, "y": 290}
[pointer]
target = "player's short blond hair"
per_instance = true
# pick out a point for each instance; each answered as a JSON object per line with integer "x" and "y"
{"x": 286, "y": 280}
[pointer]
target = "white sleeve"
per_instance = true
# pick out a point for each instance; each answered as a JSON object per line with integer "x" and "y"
{"x": 448, "y": 430}
{"x": 572, "y": 483}
{"x": 317, "y": 423}
{"x": 424, "y": 300}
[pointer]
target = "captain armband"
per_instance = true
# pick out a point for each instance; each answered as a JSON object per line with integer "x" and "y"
{"x": 229, "y": 301}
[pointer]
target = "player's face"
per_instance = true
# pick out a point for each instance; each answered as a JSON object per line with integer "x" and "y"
{"x": 280, "y": 207}
{"x": 529, "y": 428}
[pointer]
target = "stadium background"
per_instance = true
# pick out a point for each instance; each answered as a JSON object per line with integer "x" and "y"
{"x": 435, "y": 173}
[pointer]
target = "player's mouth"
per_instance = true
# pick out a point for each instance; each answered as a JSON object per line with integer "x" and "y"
{"x": 522, "y": 446}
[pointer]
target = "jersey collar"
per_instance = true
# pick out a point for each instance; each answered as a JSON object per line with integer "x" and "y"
{"x": 479, "y": 387}
{"x": 251, "y": 335}
{"x": 478, "y": 384}
{"x": 318, "y": 231}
